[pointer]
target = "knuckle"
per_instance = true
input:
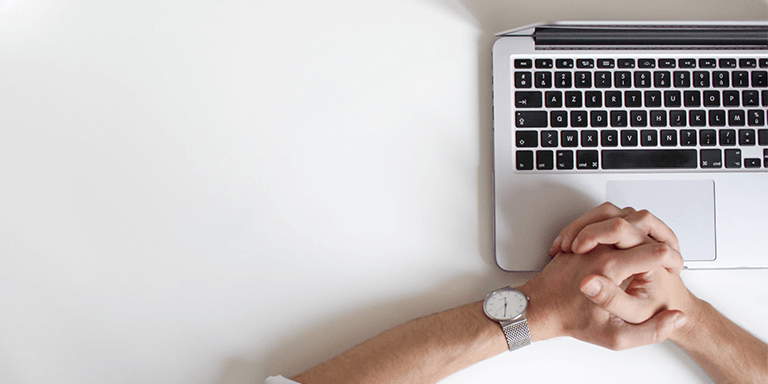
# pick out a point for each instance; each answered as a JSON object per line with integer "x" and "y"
{"x": 661, "y": 250}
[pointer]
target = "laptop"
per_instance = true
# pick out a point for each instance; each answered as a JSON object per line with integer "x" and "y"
{"x": 669, "y": 117}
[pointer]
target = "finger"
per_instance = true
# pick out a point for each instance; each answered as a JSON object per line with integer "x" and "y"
{"x": 654, "y": 330}
{"x": 602, "y": 212}
{"x": 616, "y": 231}
{"x": 653, "y": 227}
{"x": 621, "y": 264}
{"x": 608, "y": 295}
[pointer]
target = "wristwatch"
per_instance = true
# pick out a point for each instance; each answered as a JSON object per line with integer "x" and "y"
{"x": 507, "y": 306}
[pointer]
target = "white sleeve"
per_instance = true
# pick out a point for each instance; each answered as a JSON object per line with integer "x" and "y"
{"x": 279, "y": 380}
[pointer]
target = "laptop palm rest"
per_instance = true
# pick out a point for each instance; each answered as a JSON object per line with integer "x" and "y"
{"x": 686, "y": 206}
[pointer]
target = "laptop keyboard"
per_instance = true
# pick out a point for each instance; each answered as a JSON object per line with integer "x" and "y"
{"x": 583, "y": 114}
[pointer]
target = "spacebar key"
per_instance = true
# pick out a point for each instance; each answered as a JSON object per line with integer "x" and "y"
{"x": 649, "y": 158}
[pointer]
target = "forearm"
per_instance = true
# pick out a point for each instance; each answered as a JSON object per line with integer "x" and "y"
{"x": 726, "y": 351}
{"x": 421, "y": 351}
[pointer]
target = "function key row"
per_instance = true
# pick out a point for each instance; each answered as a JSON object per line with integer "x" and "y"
{"x": 641, "y": 63}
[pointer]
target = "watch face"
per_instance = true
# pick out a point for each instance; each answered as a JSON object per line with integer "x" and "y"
{"x": 505, "y": 304}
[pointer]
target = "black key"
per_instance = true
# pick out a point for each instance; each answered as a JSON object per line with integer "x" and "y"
{"x": 721, "y": 79}
{"x": 569, "y": 138}
{"x": 613, "y": 99}
{"x": 733, "y": 158}
{"x": 619, "y": 118}
{"x": 524, "y": 160}
{"x": 558, "y": 119}
{"x": 672, "y": 99}
{"x": 736, "y": 118}
{"x": 543, "y": 79}
{"x": 717, "y": 117}
{"x": 682, "y": 79}
{"x": 756, "y": 118}
{"x": 564, "y": 63}
{"x": 707, "y": 63}
{"x": 579, "y": 119}
{"x": 642, "y": 79}
{"x": 526, "y": 139}
{"x": 602, "y": 79}
{"x": 731, "y": 99}
{"x": 740, "y": 78}
{"x": 553, "y": 99}
{"x": 762, "y": 136}
{"x": 687, "y": 63}
{"x": 528, "y": 99}
{"x": 629, "y": 138}
{"x": 523, "y": 79}
{"x": 638, "y": 118}
{"x": 533, "y": 119}
{"x": 658, "y": 118}
{"x": 649, "y": 158}
{"x": 646, "y": 63}
{"x": 662, "y": 79}
{"x": 583, "y": 79}
{"x": 751, "y": 163}
{"x": 708, "y": 137}
{"x": 668, "y": 138}
{"x": 564, "y": 159}
{"x": 622, "y": 79}
{"x": 692, "y": 98}
{"x": 649, "y": 138}
{"x": 765, "y": 158}
{"x": 712, "y": 98}
{"x": 747, "y": 63}
{"x": 562, "y": 79}
{"x": 697, "y": 118}
{"x": 589, "y": 138}
{"x": 751, "y": 99}
{"x": 711, "y": 158}
{"x": 688, "y": 138}
{"x": 763, "y": 63}
{"x": 523, "y": 63}
{"x": 605, "y": 63}
{"x": 544, "y": 63}
{"x": 759, "y": 79}
{"x": 746, "y": 137}
{"x": 587, "y": 159}
{"x": 727, "y": 137}
{"x": 652, "y": 99}
{"x": 549, "y": 139}
{"x": 764, "y": 96}
{"x": 727, "y": 63}
{"x": 633, "y": 99}
{"x": 573, "y": 99}
{"x": 626, "y": 63}
{"x": 667, "y": 63}
{"x": 609, "y": 138}
{"x": 593, "y": 99}
{"x": 677, "y": 118}
{"x": 700, "y": 79}
{"x": 598, "y": 119}
{"x": 545, "y": 160}
{"x": 585, "y": 63}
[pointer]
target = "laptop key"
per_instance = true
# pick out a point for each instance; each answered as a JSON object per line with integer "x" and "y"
{"x": 649, "y": 158}
{"x": 746, "y": 137}
{"x": 532, "y": 119}
{"x": 752, "y": 163}
{"x": 756, "y": 119}
{"x": 545, "y": 160}
{"x": 733, "y": 158}
{"x": 524, "y": 160}
{"x": 587, "y": 159}
{"x": 526, "y": 139}
{"x": 711, "y": 158}
{"x": 528, "y": 99}
{"x": 564, "y": 159}
{"x": 762, "y": 136}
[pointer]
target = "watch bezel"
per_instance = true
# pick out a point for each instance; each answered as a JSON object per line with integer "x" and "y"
{"x": 505, "y": 319}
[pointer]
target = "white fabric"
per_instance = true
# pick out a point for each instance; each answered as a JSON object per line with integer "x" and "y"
{"x": 279, "y": 380}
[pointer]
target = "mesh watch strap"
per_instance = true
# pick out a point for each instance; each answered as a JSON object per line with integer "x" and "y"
{"x": 517, "y": 334}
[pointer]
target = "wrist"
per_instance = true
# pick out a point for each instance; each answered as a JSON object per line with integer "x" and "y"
{"x": 695, "y": 311}
{"x": 541, "y": 322}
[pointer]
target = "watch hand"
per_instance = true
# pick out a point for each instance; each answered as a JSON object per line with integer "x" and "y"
{"x": 505, "y": 307}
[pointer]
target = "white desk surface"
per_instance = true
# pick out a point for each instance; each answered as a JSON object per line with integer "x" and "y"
{"x": 214, "y": 192}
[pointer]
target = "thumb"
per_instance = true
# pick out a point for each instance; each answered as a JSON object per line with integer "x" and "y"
{"x": 654, "y": 330}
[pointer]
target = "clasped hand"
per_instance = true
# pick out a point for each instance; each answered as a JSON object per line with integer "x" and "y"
{"x": 613, "y": 281}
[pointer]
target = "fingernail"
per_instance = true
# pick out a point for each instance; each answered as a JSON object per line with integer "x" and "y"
{"x": 680, "y": 320}
{"x": 591, "y": 288}
{"x": 557, "y": 240}
{"x": 574, "y": 245}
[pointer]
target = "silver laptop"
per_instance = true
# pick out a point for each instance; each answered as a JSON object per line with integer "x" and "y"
{"x": 665, "y": 117}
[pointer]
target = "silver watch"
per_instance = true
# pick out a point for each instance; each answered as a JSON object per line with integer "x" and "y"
{"x": 507, "y": 306}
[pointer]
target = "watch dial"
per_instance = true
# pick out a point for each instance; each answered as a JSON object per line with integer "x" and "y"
{"x": 505, "y": 304}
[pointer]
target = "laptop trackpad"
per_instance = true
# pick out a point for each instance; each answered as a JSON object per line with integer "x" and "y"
{"x": 686, "y": 206}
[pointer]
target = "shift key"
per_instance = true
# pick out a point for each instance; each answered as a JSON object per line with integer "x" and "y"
{"x": 531, "y": 119}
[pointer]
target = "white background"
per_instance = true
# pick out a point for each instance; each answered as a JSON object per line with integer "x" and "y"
{"x": 217, "y": 191}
